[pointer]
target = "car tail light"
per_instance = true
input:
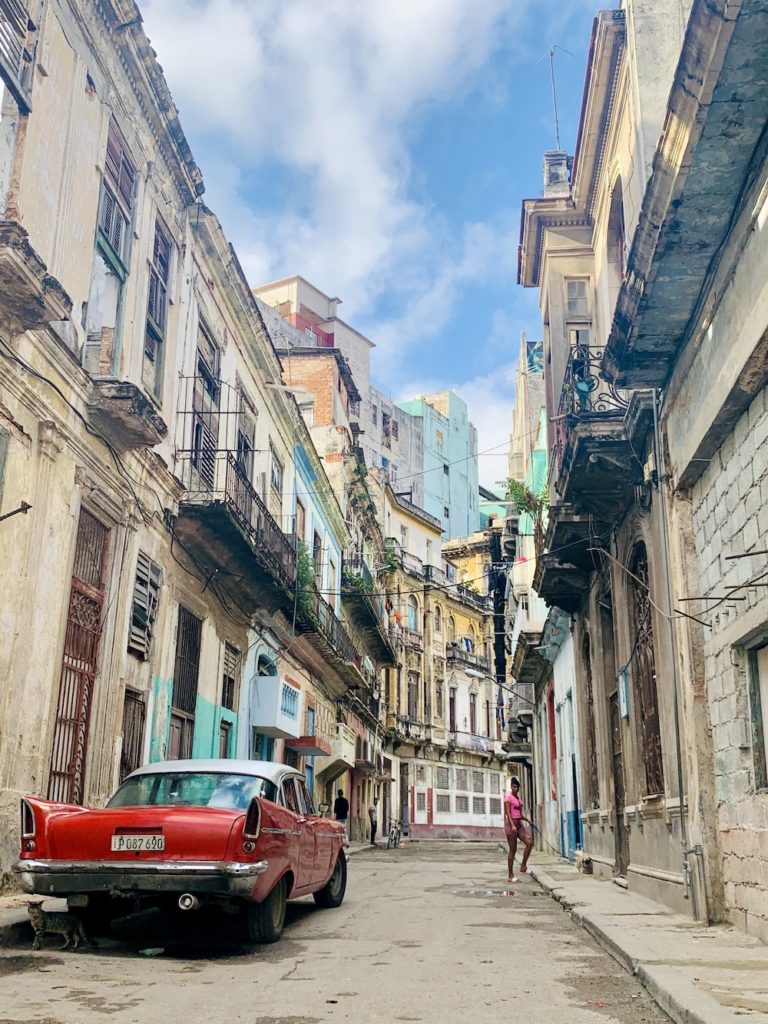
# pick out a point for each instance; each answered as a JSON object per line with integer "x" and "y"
{"x": 252, "y": 824}
{"x": 27, "y": 823}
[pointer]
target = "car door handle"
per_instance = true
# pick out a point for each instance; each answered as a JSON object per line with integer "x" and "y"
{"x": 302, "y": 821}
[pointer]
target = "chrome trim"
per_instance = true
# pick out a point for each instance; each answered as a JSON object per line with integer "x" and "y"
{"x": 281, "y": 831}
{"x": 46, "y": 877}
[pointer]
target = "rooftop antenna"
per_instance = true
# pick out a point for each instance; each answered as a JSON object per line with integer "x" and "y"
{"x": 551, "y": 54}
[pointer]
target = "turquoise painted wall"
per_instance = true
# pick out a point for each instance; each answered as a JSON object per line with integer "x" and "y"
{"x": 162, "y": 691}
{"x": 208, "y": 719}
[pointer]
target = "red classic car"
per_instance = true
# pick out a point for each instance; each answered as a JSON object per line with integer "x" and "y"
{"x": 187, "y": 832}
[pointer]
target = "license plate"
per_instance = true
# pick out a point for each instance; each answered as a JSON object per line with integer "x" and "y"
{"x": 135, "y": 843}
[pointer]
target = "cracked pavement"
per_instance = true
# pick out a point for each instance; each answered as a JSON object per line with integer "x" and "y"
{"x": 429, "y": 932}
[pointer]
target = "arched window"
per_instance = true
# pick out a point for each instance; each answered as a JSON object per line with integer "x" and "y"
{"x": 644, "y": 670}
{"x": 413, "y": 614}
{"x": 266, "y": 666}
{"x": 451, "y": 629}
{"x": 438, "y": 619}
{"x": 359, "y": 748}
{"x": 471, "y": 637}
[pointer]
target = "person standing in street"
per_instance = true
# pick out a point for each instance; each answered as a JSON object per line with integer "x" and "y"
{"x": 516, "y": 827}
{"x": 341, "y": 813}
{"x": 373, "y": 814}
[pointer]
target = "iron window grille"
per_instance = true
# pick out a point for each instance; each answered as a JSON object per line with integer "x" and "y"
{"x": 230, "y": 675}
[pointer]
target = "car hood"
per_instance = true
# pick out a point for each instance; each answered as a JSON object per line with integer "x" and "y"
{"x": 189, "y": 833}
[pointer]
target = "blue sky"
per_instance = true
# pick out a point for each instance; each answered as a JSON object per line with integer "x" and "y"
{"x": 381, "y": 149}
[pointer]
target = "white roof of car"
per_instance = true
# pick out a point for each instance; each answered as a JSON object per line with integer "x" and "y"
{"x": 272, "y": 771}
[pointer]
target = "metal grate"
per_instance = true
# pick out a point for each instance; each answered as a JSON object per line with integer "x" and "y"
{"x": 478, "y": 805}
{"x": 421, "y": 801}
{"x": 462, "y": 805}
{"x": 461, "y": 778}
{"x": 645, "y": 673}
{"x": 185, "y": 675}
{"x": 79, "y": 661}
{"x": 495, "y": 805}
{"x": 443, "y": 803}
{"x": 442, "y": 778}
{"x": 478, "y": 782}
{"x": 593, "y": 786}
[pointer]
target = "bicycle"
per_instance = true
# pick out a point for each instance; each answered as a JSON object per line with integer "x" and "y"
{"x": 395, "y": 833}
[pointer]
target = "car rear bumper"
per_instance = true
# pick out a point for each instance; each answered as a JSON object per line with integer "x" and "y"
{"x": 63, "y": 878}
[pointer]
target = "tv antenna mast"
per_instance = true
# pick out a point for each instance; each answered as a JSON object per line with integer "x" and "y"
{"x": 551, "y": 54}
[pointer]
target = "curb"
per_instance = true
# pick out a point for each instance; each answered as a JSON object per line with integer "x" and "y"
{"x": 678, "y": 997}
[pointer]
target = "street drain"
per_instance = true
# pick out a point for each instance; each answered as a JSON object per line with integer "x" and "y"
{"x": 483, "y": 892}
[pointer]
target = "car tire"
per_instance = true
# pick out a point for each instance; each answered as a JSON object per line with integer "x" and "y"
{"x": 332, "y": 893}
{"x": 264, "y": 921}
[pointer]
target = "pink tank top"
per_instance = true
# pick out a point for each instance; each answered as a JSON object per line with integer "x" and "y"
{"x": 515, "y": 806}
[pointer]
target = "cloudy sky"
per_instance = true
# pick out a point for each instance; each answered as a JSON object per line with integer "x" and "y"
{"x": 381, "y": 148}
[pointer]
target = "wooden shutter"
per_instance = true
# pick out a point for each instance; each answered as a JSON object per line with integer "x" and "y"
{"x": 146, "y": 595}
{"x": 14, "y": 23}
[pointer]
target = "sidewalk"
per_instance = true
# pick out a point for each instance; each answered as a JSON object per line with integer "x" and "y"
{"x": 697, "y": 975}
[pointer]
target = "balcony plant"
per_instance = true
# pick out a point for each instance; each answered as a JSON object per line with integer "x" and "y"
{"x": 523, "y": 499}
{"x": 305, "y": 584}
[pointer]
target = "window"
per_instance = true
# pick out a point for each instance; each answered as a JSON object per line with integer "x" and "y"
{"x": 452, "y": 710}
{"x": 438, "y": 619}
{"x": 404, "y": 538}
{"x": 644, "y": 671}
{"x": 205, "y": 429}
{"x": 185, "y": 682}
{"x": 446, "y": 512}
{"x": 225, "y": 739}
{"x": 421, "y": 774}
{"x": 134, "y": 716}
{"x": 317, "y": 558}
{"x": 331, "y": 579}
{"x": 275, "y": 499}
{"x": 478, "y": 782}
{"x": 446, "y": 470}
{"x": 443, "y": 803}
{"x": 395, "y": 430}
{"x": 229, "y": 677}
{"x": 461, "y": 779}
{"x": 478, "y": 805}
{"x": 439, "y": 699}
{"x": 146, "y": 596}
{"x": 421, "y": 801}
{"x": 301, "y": 520}
{"x": 473, "y": 713}
{"x": 442, "y": 778}
{"x": 374, "y": 415}
{"x": 577, "y": 299}
{"x": 109, "y": 269}
{"x": 439, "y": 438}
{"x": 246, "y": 436}
{"x": 495, "y": 805}
{"x": 462, "y": 805}
{"x": 413, "y": 614}
{"x": 495, "y": 784}
{"x": 413, "y": 696}
{"x": 386, "y": 428}
{"x": 157, "y": 309}
{"x": 207, "y": 368}
{"x": 758, "y": 694}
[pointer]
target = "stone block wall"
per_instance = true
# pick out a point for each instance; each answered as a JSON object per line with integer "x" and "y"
{"x": 730, "y": 517}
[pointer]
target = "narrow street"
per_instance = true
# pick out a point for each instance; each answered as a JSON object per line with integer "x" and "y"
{"x": 427, "y": 933}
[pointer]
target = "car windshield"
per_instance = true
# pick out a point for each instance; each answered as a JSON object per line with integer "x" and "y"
{"x": 192, "y": 789}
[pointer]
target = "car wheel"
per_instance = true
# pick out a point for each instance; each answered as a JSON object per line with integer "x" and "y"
{"x": 332, "y": 893}
{"x": 264, "y": 921}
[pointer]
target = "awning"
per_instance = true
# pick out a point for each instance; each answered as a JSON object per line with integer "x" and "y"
{"x": 309, "y": 746}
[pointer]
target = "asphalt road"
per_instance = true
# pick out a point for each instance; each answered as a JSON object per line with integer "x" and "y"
{"x": 427, "y": 933}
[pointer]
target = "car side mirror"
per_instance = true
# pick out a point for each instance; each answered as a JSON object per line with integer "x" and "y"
{"x": 252, "y": 825}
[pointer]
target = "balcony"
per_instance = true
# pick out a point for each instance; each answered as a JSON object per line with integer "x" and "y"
{"x": 32, "y": 298}
{"x": 121, "y": 411}
{"x": 230, "y": 526}
{"x": 365, "y": 609}
{"x": 411, "y": 638}
{"x": 458, "y": 656}
{"x": 563, "y": 568}
{"x": 594, "y": 467}
{"x": 470, "y": 741}
{"x": 276, "y": 707}
{"x": 342, "y": 756}
{"x": 316, "y": 336}
{"x": 412, "y": 565}
{"x": 470, "y": 596}
{"x": 317, "y": 620}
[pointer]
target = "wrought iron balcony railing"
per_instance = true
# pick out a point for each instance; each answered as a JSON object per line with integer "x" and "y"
{"x": 586, "y": 395}
{"x": 318, "y": 614}
{"x": 460, "y": 655}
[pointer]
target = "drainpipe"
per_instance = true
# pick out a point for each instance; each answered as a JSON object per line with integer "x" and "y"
{"x": 689, "y": 889}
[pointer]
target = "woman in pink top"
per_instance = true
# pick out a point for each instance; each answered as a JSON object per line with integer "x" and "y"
{"x": 516, "y": 827}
